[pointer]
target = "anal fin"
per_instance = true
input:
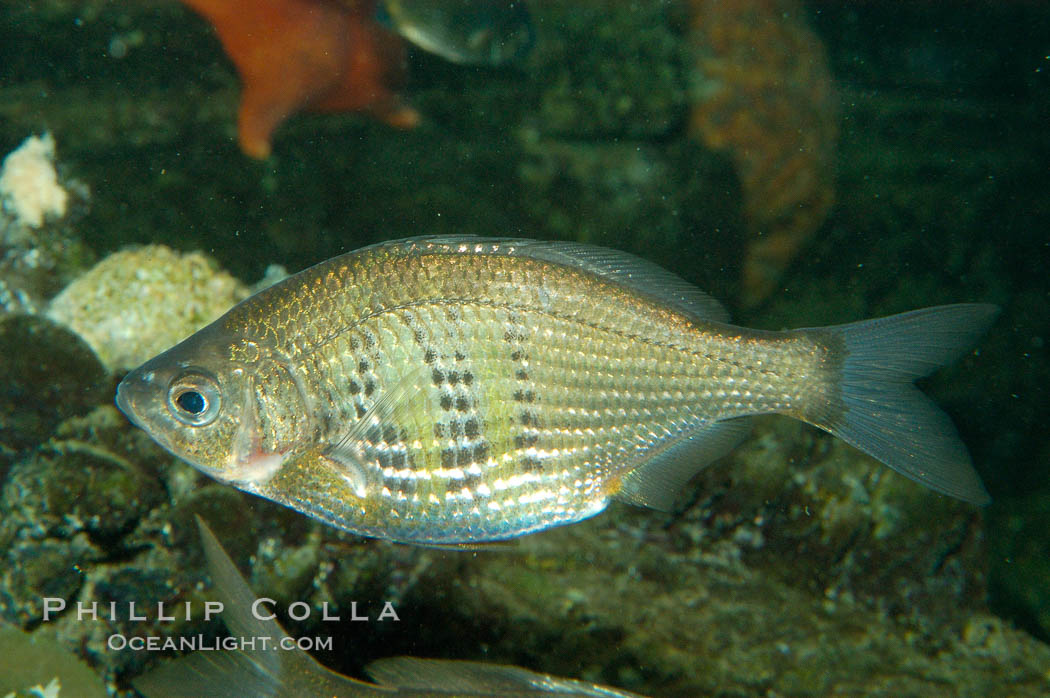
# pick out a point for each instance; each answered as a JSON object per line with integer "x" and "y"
{"x": 656, "y": 482}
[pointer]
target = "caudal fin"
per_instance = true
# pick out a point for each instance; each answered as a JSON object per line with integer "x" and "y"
{"x": 879, "y": 411}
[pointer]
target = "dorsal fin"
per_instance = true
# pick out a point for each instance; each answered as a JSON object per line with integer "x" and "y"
{"x": 623, "y": 268}
{"x": 635, "y": 273}
{"x": 248, "y": 671}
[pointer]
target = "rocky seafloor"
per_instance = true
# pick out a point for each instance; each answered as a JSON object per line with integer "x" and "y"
{"x": 794, "y": 567}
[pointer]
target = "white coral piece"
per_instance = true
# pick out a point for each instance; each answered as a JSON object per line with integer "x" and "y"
{"x": 29, "y": 185}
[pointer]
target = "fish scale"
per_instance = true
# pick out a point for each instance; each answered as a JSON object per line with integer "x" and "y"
{"x": 463, "y": 390}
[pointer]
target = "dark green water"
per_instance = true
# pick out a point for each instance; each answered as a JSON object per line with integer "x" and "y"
{"x": 941, "y": 195}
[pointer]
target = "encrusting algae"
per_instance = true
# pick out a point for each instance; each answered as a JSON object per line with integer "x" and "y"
{"x": 114, "y": 306}
{"x": 451, "y": 391}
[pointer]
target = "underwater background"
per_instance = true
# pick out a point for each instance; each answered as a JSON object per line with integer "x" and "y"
{"x": 806, "y": 163}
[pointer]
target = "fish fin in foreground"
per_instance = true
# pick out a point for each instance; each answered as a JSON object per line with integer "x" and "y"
{"x": 461, "y": 678}
{"x": 877, "y": 408}
{"x": 236, "y": 673}
{"x": 294, "y": 673}
{"x": 656, "y": 483}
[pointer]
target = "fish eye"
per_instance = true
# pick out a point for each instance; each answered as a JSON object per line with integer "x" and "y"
{"x": 194, "y": 399}
{"x": 192, "y": 402}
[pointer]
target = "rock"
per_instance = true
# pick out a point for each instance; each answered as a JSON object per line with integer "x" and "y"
{"x": 47, "y": 374}
{"x": 134, "y": 304}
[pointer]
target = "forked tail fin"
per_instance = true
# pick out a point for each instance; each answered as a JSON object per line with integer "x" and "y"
{"x": 878, "y": 410}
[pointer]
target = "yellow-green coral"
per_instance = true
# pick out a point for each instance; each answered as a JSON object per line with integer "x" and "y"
{"x": 138, "y": 302}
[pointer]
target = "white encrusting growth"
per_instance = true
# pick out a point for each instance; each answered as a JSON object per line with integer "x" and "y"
{"x": 29, "y": 187}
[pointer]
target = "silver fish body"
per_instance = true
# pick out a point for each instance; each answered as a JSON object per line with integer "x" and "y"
{"x": 476, "y": 32}
{"x": 466, "y": 390}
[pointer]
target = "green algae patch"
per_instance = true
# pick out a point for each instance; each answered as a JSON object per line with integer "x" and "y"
{"x": 33, "y": 659}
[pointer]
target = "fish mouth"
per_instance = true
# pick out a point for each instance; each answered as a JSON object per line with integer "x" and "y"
{"x": 129, "y": 392}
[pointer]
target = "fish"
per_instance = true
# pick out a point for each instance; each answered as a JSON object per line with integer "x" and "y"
{"x": 473, "y": 32}
{"x": 257, "y": 670}
{"x": 462, "y": 390}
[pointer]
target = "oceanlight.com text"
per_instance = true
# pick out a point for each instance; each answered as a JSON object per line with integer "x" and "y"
{"x": 202, "y": 643}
